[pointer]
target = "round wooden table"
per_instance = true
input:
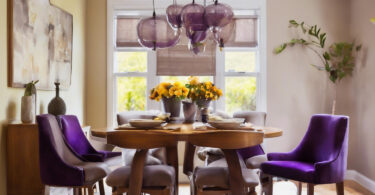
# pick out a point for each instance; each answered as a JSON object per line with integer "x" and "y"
{"x": 228, "y": 140}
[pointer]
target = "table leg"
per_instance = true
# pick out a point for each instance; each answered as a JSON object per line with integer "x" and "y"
{"x": 235, "y": 172}
{"x": 172, "y": 160}
{"x": 136, "y": 174}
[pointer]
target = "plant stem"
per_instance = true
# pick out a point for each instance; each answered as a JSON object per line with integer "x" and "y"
{"x": 317, "y": 53}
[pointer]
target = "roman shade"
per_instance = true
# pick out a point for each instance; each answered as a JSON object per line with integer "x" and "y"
{"x": 126, "y": 32}
{"x": 178, "y": 60}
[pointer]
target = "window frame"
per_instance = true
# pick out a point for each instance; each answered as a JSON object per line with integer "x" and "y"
{"x": 152, "y": 79}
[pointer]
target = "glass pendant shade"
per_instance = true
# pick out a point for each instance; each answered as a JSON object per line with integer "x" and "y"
{"x": 218, "y": 15}
{"x": 155, "y": 32}
{"x": 223, "y": 34}
{"x": 196, "y": 40}
{"x": 174, "y": 16}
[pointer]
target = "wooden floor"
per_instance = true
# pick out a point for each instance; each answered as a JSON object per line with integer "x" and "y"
{"x": 280, "y": 188}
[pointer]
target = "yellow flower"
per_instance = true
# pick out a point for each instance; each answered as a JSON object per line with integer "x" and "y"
{"x": 172, "y": 90}
{"x": 193, "y": 80}
{"x": 185, "y": 91}
{"x": 219, "y": 92}
{"x": 165, "y": 85}
{"x": 208, "y": 85}
{"x": 178, "y": 84}
{"x": 178, "y": 93}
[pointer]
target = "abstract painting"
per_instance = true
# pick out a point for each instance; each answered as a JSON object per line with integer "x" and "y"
{"x": 40, "y": 44}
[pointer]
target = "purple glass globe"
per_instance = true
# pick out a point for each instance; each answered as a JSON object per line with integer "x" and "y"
{"x": 196, "y": 40}
{"x": 174, "y": 15}
{"x": 193, "y": 17}
{"x": 218, "y": 15}
{"x": 223, "y": 34}
{"x": 155, "y": 32}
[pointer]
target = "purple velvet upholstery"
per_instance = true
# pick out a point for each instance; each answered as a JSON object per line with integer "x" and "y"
{"x": 251, "y": 151}
{"x": 78, "y": 142}
{"x": 320, "y": 158}
{"x": 53, "y": 169}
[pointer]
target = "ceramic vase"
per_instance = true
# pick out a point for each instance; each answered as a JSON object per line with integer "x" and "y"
{"x": 202, "y": 113}
{"x": 173, "y": 106}
{"x": 189, "y": 109}
{"x": 57, "y": 105}
{"x": 28, "y": 109}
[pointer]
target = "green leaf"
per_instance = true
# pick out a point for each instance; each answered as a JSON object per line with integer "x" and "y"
{"x": 303, "y": 28}
{"x": 280, "y": 48}
{"x": 293, "y": 23}
{"x": 326, "y": 56}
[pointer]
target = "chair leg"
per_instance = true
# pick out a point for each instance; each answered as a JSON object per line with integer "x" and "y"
{"x": 101, "y": 188}
{"x": 266, "y": 183}
{"x": 90, "y": 191}
{"x": 310, "y": 189}
{"x": 299, "y": 188}
{"x": 340, "y": 188}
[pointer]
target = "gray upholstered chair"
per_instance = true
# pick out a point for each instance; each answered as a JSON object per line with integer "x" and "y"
{"x": 156, "y": 156}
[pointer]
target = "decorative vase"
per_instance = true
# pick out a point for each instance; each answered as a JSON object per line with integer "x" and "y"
{"x": 27, "y": 109}
{"x": 203, "y": 105}
{"x": 173, "y": 106}
{"x": 189, "y": 111}
{"x": 57, "y": 105}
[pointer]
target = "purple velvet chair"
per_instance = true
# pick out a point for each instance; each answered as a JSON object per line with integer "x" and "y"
{"x": 59, "y": 166}
{"x": 77, "y": 140}
{"x": 320, "y": 158}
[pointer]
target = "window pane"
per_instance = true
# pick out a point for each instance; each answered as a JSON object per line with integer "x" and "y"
{"x": 131, "y": 93}
{"x": 240, "y": 94}
{"x": 240, "y": 61}
{"x": 183, "y": 79}
{"x": 131, "y": 61}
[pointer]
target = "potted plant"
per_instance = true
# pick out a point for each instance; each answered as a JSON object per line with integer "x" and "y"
{"x": 202, "y": 93}
{"x": 28, "y": 103}
{"x": 171, "y": 95}
{"x": 337, "y": 60}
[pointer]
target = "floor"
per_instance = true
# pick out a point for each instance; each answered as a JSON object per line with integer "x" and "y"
{"x": 280, "y": 188}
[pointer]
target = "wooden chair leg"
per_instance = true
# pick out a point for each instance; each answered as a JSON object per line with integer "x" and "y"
{"x": 90, "y": 191}
{"x": 299, "y": 188}
{"x": 76, "y": 191}
{"x": 310, "y": 189}
{"x": 101, "y": 188}
{"x": 266, "y": 184}
{"x": 340, "y": 188}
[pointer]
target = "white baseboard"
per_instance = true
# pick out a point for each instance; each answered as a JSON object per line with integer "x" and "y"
{"x": 360, "y": 179}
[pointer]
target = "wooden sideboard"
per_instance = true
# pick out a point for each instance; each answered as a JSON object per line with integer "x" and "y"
{"x": 23, "y": 173}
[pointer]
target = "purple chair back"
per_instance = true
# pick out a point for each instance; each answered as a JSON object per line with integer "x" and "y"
{"x": 256, "y": 118}
{"x": 334, "y": 130}
{"x": 56, "y": 158}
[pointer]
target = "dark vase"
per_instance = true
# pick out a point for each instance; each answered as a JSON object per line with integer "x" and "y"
{"x": 57, "y": 105}
{"x": 189, "y": 111}
{"x": 203, "y": 109}
{"x": 173, "y": 106}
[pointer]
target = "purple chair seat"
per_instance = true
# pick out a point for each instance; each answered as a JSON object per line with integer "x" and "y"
{"x": 78, "y": 142}
{"x": 299, "y": 171}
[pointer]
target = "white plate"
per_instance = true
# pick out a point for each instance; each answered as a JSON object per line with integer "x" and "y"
{"x": 230, "y": 124}
{"x": 145, "y": 123}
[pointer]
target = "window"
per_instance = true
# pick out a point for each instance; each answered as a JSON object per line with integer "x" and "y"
{"x": 133, "y": 71}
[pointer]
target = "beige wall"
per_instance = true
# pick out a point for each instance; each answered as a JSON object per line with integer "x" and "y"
{"x": 295, "y": 90}
{"x": 357, "y": 95}
{"x": 10, "y": 98}
{"x": 96, "y": 61}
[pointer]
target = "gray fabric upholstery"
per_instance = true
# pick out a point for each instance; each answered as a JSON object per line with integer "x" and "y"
{"x": 222, "y": 162}
{"x": 93, "y": 171}
{"x": 219, "y": 177}
{"x": 153, "y": 176}
{"x": 257, "y": 118}
{"x": 256, "y": 161}
{"x": 155, "y": 156}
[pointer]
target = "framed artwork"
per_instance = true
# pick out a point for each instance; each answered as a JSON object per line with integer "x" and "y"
{"x": 40, "y": 44}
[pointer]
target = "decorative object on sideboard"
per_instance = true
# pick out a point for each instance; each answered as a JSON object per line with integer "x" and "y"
{"x": 57, "y": 105}
{"x": 28, "y": 103}
{"x": 171, "y": 95}
{"x": 196, "y": 19}
{"x": 190, "y": 109}
{"x": 338, "y": 60}
{"x": 40, "y": 44}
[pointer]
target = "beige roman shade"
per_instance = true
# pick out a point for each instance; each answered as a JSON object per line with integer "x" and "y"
{"x": 245, "y": 34}
{"x": 126, "y": 32}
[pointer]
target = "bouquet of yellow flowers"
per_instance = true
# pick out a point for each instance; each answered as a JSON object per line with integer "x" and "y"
{"x": 168, "y": 90}
{"x": 202, "y": 90}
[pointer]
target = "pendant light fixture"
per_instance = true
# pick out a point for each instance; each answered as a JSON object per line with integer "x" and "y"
{"x": 218, "y": 15}
{"x": 174, "y": 15}
{"x": 154, "y": 32}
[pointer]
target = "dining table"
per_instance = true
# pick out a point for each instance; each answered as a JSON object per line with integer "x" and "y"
{"x": 209, "y": 136}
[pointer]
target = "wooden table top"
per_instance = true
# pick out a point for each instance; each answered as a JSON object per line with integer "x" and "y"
{"x": 187, "y": 129}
